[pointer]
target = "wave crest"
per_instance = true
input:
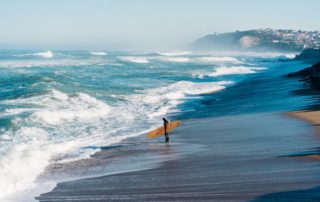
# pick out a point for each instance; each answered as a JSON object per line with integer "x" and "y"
{"x": 223, "y": 70}
{"x": 175, "y": 53}
{"x": 98, "y": 53}
{"x": 176, "y": 59}
{"x": 218, "y": 59}
{"x": 139, "y": 60}
{"x": 167, "y": 98}
{"x": 47, "y": 54}
{"x": 57, "y": 107}
{"x": 36, "y": 139}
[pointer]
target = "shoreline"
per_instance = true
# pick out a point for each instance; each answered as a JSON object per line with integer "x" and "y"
{"x": 236, "y": 162}
{"x": 310, "y": 116}
{"x": 118, "y": 158}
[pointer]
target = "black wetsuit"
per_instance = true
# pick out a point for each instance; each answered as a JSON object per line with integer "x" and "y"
{"x": 165, "y": 123}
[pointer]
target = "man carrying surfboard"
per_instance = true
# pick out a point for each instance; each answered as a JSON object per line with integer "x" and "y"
{"x": 164, "y": 130}
{"x": 165, "y": 124}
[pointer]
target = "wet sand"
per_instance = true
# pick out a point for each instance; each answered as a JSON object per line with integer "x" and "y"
{"x": 311, "y": 116}
{"x": 235, "y": 158}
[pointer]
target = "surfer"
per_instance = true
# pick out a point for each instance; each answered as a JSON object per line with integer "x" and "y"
{"x": 165, "y": 123}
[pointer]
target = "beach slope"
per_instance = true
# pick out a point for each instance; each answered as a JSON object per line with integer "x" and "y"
{"x": 233, "y": 158}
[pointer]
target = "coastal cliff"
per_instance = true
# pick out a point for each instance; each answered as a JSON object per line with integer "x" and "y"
{"x": 259, "y": 40}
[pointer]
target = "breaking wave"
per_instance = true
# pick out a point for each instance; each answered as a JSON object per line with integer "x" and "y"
{"x": 175, "y": 53}
{"x": 290, "y": 56}
{"x": 208, "y": 59}
{"x": 218, "y": 59}
{"x": 34, "y": 140}
{"x": 48, "y": 63}
{"x": 221, "y": 71}
{"x": 58, "y": 124}
{"x": 52, "y": 127}
{"x": 47, "y": 54}
{"x": 98, "y": 53}
{"x": 139, "y": 60}
{"x": 176, "y": 59}
{"x": 235, "y": 70}
{"x": 166, "y": 99}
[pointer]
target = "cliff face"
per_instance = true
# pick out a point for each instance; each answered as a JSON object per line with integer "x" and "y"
{"x": 311, "y": 75}
{"x": 259, "y": 40}
{"x": 219, "y": 41}
{"x": 309, "y": 56}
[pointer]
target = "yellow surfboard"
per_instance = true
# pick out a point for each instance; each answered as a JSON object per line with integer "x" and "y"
{"x": 160, "y": 131}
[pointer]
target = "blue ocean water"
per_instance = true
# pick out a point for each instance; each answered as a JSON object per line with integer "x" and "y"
{"x": 54, "y": 103}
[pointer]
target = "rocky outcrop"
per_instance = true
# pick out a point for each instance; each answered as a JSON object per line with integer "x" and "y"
{"x": 311, "y": 75}
{"x": 309, "y": 56}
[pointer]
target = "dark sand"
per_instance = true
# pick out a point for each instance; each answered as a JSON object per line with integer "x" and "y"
{"x": 234, "y": 158}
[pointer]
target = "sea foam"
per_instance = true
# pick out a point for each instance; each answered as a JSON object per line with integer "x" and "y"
{"x": 175, "y": 53}
{"x": 176, "y": 59}
{"x": 47, "y": 54}
{"x": 28, "y": 149}
{"x": 235, "y": 70}
{"x": 217, "y": 59}
{"x": 61, "y": 123}
{"x": 98, "y": 53}
{"x": 207, "y": 59}
{"x": 51, "y": 127}
{"x": 139, "y": 60}
{"x": 167, "y": 98}
{"x": 224, "y": 70}
{"x": 57, "y": 107}
{"x": 49, "y": 63}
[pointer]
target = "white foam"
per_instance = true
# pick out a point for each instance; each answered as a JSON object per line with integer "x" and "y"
{"x": 15, "y": 111}
{"x": 49, "y": 63}
{"x": 208, "y": 59}
{"x": 235, "y": 70}
{"x": 140, "y": 60}
{"x": 60, "y": 123}
{"x": 23, "y": 162}
{"x": 175, "y": 53}
{"x": 26, "y": 159}
{"x": 47, "y": 54}
{"x": 27, "y": 149}
{"x": 290, "y": 56}
{"x": 58, "y": 107}
{"x": 98, "y": 53}
{"x": 176, "y": 59}
{"x": 223, "y": 70}
{"x": 167, "y": 98}
{"x": 217, "y": 59}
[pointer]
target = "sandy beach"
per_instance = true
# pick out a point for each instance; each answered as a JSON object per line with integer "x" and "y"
{"x": 214, "y": 159}
{"x": 311, "y": 116}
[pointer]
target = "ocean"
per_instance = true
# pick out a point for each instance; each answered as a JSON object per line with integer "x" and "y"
{"x": 58, "y": 107}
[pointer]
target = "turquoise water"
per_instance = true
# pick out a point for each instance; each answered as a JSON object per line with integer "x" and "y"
{"x": 54, "y": 103}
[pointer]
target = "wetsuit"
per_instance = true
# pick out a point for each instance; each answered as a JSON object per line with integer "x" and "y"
{"x": 165, "y": 123}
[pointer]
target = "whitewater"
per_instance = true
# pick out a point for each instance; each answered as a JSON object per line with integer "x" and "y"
{"x": 55, "y": 104}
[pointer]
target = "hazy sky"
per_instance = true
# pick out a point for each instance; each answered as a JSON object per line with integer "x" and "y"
{"x": 142, "y": 24}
